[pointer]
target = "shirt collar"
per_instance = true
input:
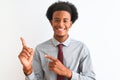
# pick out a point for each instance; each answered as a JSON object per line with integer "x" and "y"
{"x": 65, "y": 43}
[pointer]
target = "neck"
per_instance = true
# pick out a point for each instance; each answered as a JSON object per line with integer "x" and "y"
{"x": 61, "y": 38}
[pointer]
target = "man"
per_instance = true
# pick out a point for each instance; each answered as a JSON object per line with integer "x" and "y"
{"x": 73, "y": 62}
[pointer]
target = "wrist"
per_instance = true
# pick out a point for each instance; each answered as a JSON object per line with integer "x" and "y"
{"x": 69, "y": 74}
{"x": 27, "y": 71}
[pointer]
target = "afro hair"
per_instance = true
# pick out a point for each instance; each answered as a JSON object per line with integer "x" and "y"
{"x": 60, "y": 5}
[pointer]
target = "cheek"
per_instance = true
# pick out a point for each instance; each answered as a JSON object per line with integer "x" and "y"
{"x": 54, "y": 25}
{"x": 67, "y": 27}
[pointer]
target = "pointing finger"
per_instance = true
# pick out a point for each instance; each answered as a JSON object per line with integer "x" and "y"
{"x": 23, "y": 42}
{"x": 51, "y": 58}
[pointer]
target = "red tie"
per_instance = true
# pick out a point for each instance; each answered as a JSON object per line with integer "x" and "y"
{"x": 60, "y": 57}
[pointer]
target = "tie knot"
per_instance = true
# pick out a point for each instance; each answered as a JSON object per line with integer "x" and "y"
{"x": 60, "y": 46}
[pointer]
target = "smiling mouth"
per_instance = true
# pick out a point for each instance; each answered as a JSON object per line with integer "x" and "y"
{"x": 60, "y": 29}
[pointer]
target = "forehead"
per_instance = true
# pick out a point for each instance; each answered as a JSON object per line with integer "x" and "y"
{"x": 61, "y": 14}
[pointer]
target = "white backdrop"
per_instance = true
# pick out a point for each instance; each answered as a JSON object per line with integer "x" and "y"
{"x": 97, "y": 26}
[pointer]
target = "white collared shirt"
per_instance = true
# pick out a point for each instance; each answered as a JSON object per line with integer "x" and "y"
{"x": 76, "y": 58}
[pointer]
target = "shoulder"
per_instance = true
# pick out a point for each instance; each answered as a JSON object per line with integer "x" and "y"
{"x": 44, "y": 44}
{"x": 78, "y": 43}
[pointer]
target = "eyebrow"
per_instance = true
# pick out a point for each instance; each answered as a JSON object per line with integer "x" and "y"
{"x": 58, "y": 18}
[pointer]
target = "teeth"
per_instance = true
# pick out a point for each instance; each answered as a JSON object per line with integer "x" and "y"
{"x": 61, "y": 29}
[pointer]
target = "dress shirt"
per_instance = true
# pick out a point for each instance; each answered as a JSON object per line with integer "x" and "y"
{"x": 76, "y": 58}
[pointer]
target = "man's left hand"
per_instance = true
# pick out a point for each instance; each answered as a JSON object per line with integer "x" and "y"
{"x": 56, "y": 66}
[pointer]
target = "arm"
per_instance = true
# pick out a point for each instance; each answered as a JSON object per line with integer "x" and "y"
{"x": 85, "y": 69}
{"x": 26, "y": 57}
{"x": 37, "y": 73}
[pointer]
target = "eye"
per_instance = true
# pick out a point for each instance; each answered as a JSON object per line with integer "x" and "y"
{"x": 65, "y": 21}
{"x": 56, "y": 20}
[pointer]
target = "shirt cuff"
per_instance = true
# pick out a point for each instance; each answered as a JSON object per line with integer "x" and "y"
{"x": 30, "y": 77}
{"x": 74, "y": 76}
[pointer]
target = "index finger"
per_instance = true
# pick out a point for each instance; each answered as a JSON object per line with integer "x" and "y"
{"x": 23, "y": 41}
{"x": 50, "y": 57}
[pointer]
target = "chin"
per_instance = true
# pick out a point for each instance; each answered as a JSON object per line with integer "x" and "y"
{"x": 59, "y": 35}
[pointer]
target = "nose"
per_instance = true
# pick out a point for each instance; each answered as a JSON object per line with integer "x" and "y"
{"x": 61, "y": 24}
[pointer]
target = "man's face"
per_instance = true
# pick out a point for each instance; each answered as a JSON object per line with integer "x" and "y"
{"x": 61, "y": 23}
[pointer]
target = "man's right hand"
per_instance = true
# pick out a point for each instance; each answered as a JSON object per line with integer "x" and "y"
{"x": 26, "y": 57}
